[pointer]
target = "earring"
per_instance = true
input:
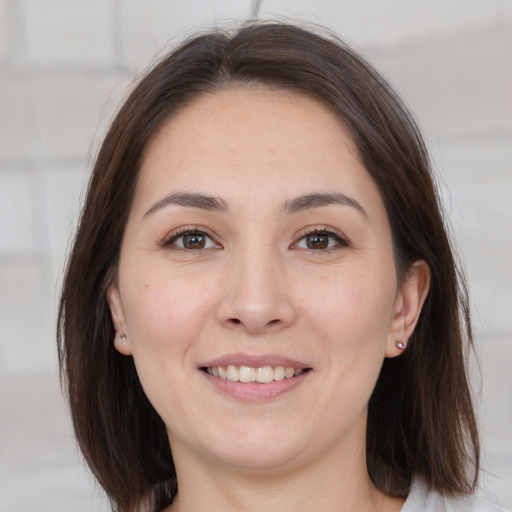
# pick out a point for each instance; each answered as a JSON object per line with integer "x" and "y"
{"x": 400, "y": 344}
{"x": 123, "y": 336}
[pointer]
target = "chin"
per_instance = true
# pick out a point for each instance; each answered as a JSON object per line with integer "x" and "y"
{"x": 255, "y": 449}
{"x": 263, "y": 458}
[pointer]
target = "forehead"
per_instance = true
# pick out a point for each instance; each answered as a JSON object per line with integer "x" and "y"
{"x": 237, "y": 114}
{"x": 254, "y": 138}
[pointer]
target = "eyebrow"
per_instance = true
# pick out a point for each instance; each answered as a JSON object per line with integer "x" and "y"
{"x": 190, "y": 200}
{"x": 310, "y": 201}
{"x": 299, "y": 204}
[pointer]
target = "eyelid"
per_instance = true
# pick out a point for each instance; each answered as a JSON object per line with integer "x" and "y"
{"x": 175, "y": 234}
{"x": 321, "y": 229}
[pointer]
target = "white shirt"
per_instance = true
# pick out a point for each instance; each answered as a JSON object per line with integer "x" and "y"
{"x": 421, "y": 500}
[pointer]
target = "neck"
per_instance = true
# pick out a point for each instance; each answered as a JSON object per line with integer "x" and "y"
{"x": 329, "y": 484}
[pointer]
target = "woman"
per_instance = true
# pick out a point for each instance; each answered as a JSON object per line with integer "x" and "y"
{"x": 261, "y": 308}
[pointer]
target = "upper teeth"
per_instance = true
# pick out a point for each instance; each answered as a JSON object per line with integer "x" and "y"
{"x": 264, "y": 375}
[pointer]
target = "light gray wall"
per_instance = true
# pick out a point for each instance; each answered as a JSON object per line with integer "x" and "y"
{"x": 64, "y": 67}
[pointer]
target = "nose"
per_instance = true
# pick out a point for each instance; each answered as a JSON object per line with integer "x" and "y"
{"x": 256, "y": 297}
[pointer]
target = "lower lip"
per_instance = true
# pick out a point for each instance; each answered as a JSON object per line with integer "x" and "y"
{"x": 254, "y": 392}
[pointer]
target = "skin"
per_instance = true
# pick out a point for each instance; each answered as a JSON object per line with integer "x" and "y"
{"x": 257, "y": 288}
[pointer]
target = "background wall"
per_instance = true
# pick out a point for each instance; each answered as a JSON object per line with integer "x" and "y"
{"x": 64, "y": 67}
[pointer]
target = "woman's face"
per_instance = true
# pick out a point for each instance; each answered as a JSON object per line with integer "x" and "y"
{"x": 258, "y": 249}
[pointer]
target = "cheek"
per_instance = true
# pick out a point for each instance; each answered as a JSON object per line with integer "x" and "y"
{"x": 163, "y": 313}
{"x": 164, "y": 321}
{"x": 352, "y": 307}
{"x": 347, "y": 319}
{"x": 351, "y": 317}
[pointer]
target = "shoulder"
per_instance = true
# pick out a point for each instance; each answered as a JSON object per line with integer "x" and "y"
{"x": 420, "y": 499}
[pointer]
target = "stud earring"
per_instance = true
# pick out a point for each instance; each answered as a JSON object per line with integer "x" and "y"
{"x": 400, "y": 344}
{"x": 123, "y": 336}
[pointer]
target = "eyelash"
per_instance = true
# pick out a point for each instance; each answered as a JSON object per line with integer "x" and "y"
{"x": 339, "y": 240}
{"x": 171, "y": 240}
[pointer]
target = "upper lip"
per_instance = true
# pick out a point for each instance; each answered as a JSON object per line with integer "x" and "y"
{"x": 254, "y": 361}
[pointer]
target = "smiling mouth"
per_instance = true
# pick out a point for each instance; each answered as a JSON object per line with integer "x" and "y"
{"x": 248, "y": 374}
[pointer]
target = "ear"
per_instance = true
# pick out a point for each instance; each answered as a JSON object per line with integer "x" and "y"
{"x": 407, "y": 308}
{"x": 122, "y": 344}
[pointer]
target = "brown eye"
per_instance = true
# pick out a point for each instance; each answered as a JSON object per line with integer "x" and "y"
{"x": 192, "y": 240}
{"x": 321, "y": 240}
{"x": 317, "y": 241}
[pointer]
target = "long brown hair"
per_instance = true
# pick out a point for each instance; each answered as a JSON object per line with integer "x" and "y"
{"x": 421, "y": 420}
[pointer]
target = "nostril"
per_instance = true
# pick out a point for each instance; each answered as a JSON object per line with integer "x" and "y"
{"x": 237, "y": 321}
